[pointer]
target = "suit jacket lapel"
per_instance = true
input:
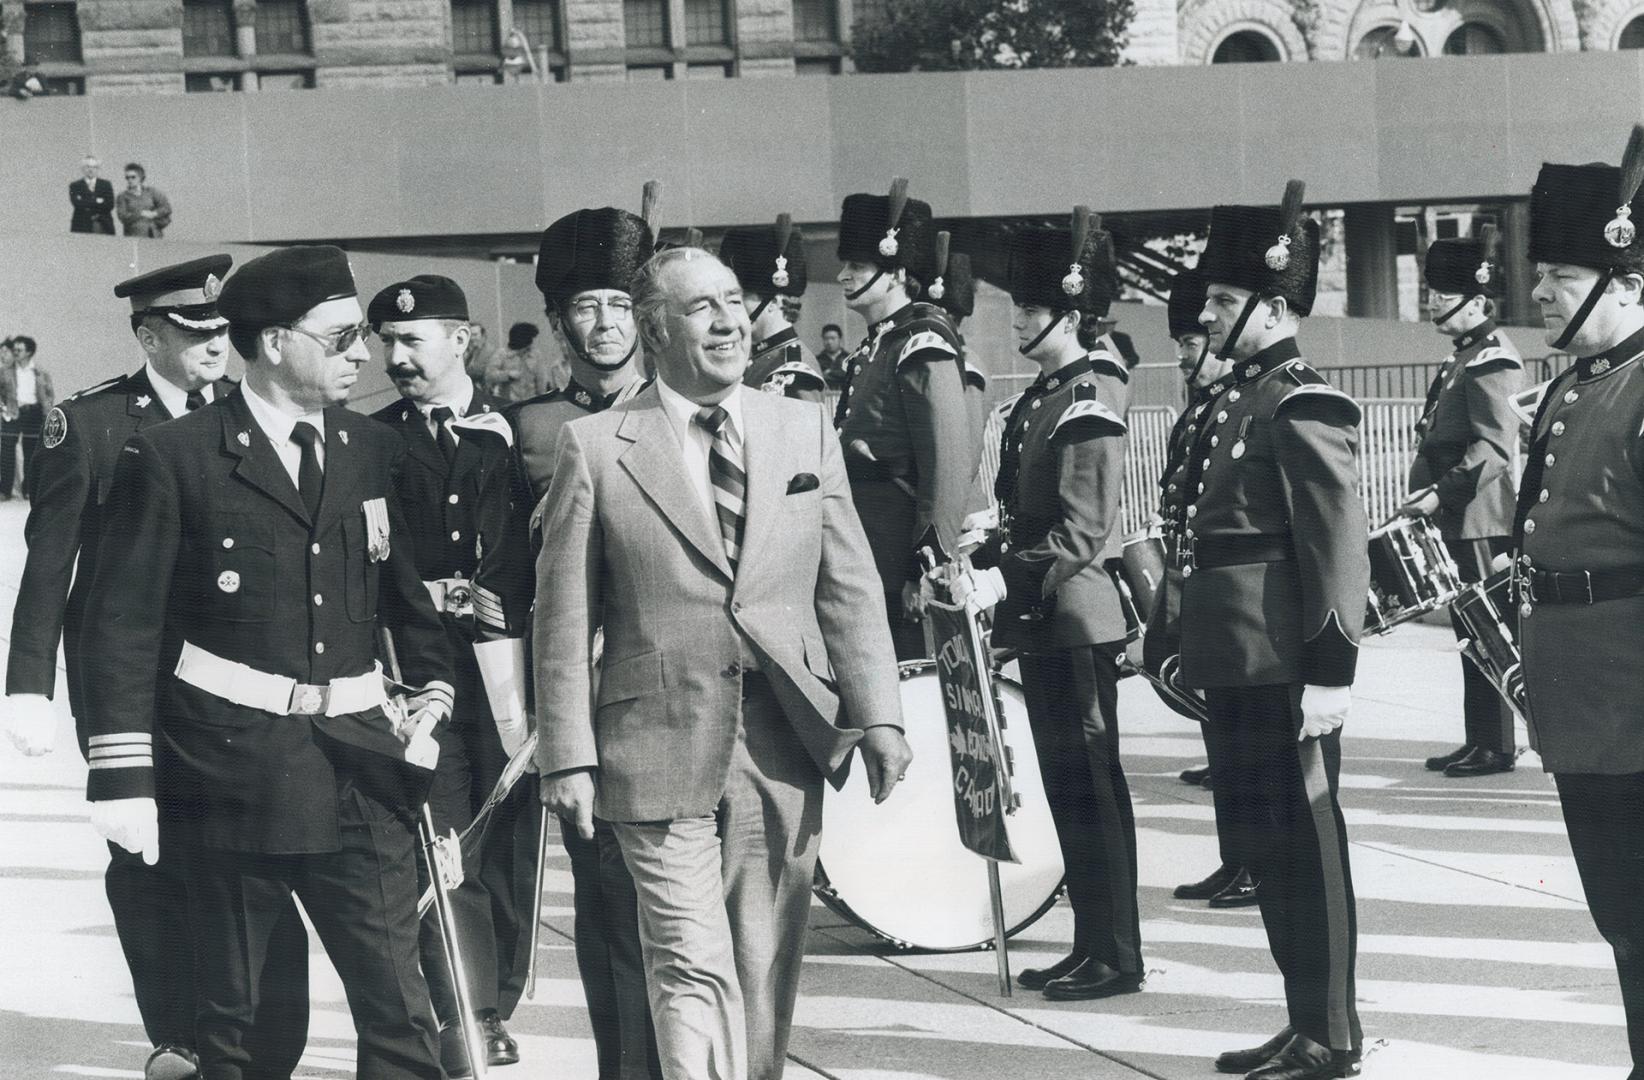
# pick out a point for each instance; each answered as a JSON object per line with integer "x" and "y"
{"x": 143, "y": 403}
{"x": 338, "y": 496}
{"x": 418, "y": 440}
{"x": 657, "y": 466}
{"x": 258, "y": 465}
{"x": 764, "y": 459}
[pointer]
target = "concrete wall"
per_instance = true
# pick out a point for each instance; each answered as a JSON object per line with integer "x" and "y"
{"x": 507, "y": 159}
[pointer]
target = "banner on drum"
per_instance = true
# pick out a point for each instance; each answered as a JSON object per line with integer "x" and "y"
{"x": 981, "y": 769}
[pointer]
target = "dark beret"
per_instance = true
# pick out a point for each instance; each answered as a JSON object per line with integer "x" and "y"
{"x": 1187, "y": 295}
{"x": 592, "y": 249}
{"x": 426, "y": 296}
{"x": 750, "y": 251}
{"x": 281, "y": 287}
{"x": 185, "y": 293}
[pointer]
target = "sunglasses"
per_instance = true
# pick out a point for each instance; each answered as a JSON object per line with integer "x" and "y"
{"x": 338, "y": 341}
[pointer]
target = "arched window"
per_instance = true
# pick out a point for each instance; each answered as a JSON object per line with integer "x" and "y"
{"x": 1382, "y": 44}
{"x": 1633, "y": 36}
{"x": 1246, "y": 47}
{"x": 1475, "y": 39}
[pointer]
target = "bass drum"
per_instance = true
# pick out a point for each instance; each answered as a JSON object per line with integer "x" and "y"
{"x": 899, "y": 871}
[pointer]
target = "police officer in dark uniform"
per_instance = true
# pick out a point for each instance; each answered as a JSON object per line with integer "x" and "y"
{"x": 261, "y": 539}
{"x": 1579, "y": 531}
{"x": 1462, "y": 475}
{"x": 769, "y": 263}
{"x": 586, "y": 267}
{"x": 901, "y": 416}
{"x": 175, "y": 321}
{"x": 1060, "y": 476}
{"x": 1275, "y": 570}
{"x": 1206, "y": 375}
{"x": 457, "y": 490}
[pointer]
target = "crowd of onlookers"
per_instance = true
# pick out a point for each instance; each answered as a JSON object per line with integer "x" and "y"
{"x": 143, "y": 209}
{"x": 26, "y": 399}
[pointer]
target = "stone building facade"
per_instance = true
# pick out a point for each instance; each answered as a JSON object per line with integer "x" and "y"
{"x": 121, "y": 46}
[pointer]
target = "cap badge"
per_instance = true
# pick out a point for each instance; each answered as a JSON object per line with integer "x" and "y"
{"x": 213, "y": 285}
{"x": 1278, "y": 256}
{"x": 405, "y": 301}
{"x": 937, "y": 290}
{"x": 888, "y": 247}
{"x": 1074, "y": 282}
{"x": 1621, "y": 231}
{"x": 243, "y": 438}
{"x": 780, "y": 278}
{"x": 1599, "y": 366}
{"x": 1482, "y": 274}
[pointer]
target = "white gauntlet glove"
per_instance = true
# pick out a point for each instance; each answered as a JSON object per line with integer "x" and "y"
{"x": 1324, "y": 709}
{"x": 978, "y": 590}
{"x": 31, "y": 723}
{"x": 133, "y": 824}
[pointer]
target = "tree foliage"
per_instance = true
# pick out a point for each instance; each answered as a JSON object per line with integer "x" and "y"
{"x": 968, "y": 35}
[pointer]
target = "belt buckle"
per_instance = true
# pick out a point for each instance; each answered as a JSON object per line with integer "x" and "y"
{"x": 308, "y": 699}
{"x": 459, "y": 598}
{"x": 1587, "y": 585}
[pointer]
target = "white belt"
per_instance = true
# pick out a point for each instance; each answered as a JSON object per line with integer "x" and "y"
{"x": 452, "y": 595}
{"x": 244, "y": 685}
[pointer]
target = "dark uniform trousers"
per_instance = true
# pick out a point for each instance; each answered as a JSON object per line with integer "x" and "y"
{"x": 240, "y": 902}
{"x": 1072, "y": 700}
{"x": 1489, "y": 721}
{"x": 1605, "y": 819}
{"x": 24, "y": 429}
{"x": 1276, "y": 806}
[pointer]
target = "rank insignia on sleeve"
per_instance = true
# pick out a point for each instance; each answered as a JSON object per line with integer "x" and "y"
{"x": 56, "y": 429}
{"x": 376, "y": 528}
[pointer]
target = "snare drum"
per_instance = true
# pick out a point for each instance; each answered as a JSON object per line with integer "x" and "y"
{"x": 898, "y": 869}
{"x": 1411, "y": 573}
{"x": 1491, "y": 643}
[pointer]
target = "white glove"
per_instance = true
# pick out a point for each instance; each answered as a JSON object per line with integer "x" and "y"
{"x": 422, "y": 749}
{"x": 31, "y": 723}
{"x": 502, "y": 670}
{"x": 978, "y": 590}
{"x": 133, "y": 824}
{"x": 1324, "y": 709}
{"x": 974, "y": 530}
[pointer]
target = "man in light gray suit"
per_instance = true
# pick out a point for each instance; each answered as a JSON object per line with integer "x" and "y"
{"x": 710, "y": 532}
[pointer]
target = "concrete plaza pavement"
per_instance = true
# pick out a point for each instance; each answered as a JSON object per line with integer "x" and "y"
{"x": 1477, "y": 958}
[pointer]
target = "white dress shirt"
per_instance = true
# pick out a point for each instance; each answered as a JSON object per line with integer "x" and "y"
{"x": 25, "y": 384}
{"x": 172, "y": 396}
{"x": 458, "y": 406}
{"x": 695, "y": 441}
{"x": 277, "y": 426}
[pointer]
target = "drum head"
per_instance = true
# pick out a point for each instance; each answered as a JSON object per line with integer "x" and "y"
{"x": 899, "y": 870}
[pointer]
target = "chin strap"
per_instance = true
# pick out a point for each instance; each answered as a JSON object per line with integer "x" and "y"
{"x": 1027, "y": 349}
{"x": 1586, "y": 309}
{"x": 1226, "y": 351}
{"x": 582, "y": 351}
{"x": 1204, "y": 354}
{"x": 1448, "y": 315}
{"x": 765, "y": 303}
{"x": 877, "y": 274}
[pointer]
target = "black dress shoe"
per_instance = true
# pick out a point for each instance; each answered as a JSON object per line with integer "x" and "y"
{"x": 1240, "y": 892}
{"x": 1444, "y": 761}
{"x": 1481, "y": 762}
{"x": 1091, "y": 980}
{"x": 454, "y": 1051}
{"x": 1036, "y": 978}
{"x": 500, "y": 1047}
{"x": 1195, "y": 776}
{"x": 169, "y": 1062}
{"x": 1304, "y": 1059}
{"x": 1242, "y": 1061}
{"x": 1210, "y": 886}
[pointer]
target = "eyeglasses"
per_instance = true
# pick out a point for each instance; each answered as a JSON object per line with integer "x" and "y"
{"x": 588, "y": 310}
{"x": 339, "y": 341}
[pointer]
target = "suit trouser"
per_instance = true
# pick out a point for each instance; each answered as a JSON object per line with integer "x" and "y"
{"x": 157, "y": 935}
{"x": 609, "y": 958}
{"x": 1605, "y": 819}
{"x": 1489, "y": 722}
{"x": 1072, "y": 702}
{"x": 493, "y": 904}
{"x": 1276, "y": 800}
{"x": 362, "y": 900}
{"x": 723, "y": 904}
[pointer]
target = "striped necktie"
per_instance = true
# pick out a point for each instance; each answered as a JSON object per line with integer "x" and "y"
{"x": 725, "y": 475}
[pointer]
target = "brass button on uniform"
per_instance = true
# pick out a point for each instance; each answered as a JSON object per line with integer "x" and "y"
{"x": 319, "y": 646}
{"x": 1558, "y": 427}
{"x": 318, "y": 599}
{"x": 453, "y": 498}
{"x": 228, "y": 541}
{"x": 1529, "y": 526}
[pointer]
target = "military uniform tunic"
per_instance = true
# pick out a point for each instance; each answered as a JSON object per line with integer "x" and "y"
{"x": 537, "y": 422}
{"x": 781, "y": 364}
{"x": 1060, "y": 476}
{"x": 1275, "y": 570}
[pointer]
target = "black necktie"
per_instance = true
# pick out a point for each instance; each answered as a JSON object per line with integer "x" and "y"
{"x": 442, "y": 434}
{"x": 195, "y": 400}
{"x": 310, "y": 480}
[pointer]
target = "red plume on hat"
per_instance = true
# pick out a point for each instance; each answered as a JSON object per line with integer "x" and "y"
{"x": 1278, "y": 256}
{"x": 650, "y": 201}
{"x": 1074, "y": 283}
{"x": 784, "y": 230}
{"x": 938, "y": 288}
{"x": 888, "y": 247}
{"x": 1489, "y": 243}
{"x": 1621, "y": 231}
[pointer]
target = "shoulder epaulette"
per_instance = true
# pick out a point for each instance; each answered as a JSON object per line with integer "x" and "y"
{"x": 488, "y": 423}
{"x": 795, "y": 371}
{"x": 95, "y": 389}
{"x": 1088, "y": 409}
{"x": 925, "y": 341}
{"x": 1495, "y": 354}
{"x": 1311, "y": 390}
{"x": 1005, "y": 407}
{"x": 394, "y": 409}
{"x": 1303, "y": 374}
{"x": 1105, "y": 363}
